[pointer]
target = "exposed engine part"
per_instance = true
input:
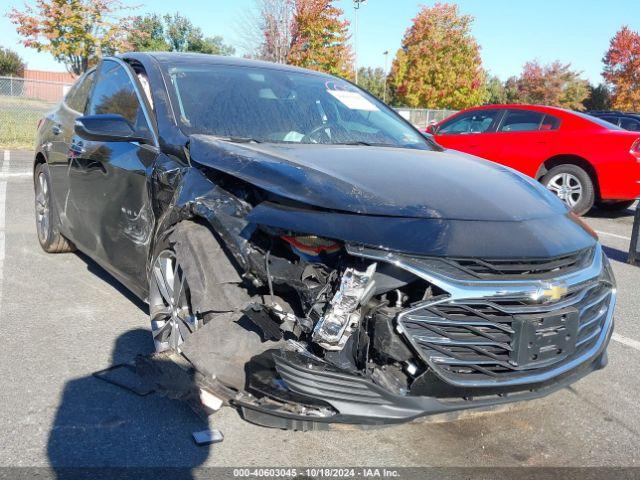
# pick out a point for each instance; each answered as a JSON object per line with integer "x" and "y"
{"x": 344, "y": 314}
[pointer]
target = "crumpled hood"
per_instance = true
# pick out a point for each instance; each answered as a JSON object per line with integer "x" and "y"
{"x": 382, "y": 181}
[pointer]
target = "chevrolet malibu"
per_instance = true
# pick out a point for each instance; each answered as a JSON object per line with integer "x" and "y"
{"x": 311, "y": 253}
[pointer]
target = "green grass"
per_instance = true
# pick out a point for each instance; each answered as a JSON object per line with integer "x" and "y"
{"x": 18, "y": 121}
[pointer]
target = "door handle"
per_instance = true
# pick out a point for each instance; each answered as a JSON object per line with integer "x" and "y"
{"x": 56, "y": 130}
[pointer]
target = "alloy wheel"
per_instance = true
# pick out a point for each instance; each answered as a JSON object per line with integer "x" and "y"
{"x": 172, "y": 319}
{"x": 567, "y": 187}
{"x": 42, "y": 207}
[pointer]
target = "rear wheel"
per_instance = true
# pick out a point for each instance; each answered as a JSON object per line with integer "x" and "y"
{"x": 573, "y": 186}
{"x": 616, "y": 206}
{"x": 47, "y": 223}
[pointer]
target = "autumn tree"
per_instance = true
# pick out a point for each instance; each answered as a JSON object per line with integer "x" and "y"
{"x": 438, "y": 64}
{"x": 173, "y": 33}
{"x": 372, "y": 80}
{"x": 11, "y": 64}
{"x": 319, "y": 38}
{"x": 76, "y": 32}
{"x": 622, "y": 69}
{"x": 555, "y": 84}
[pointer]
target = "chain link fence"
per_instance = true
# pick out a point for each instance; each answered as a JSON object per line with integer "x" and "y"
{"x": 22, "y": 104}
{"x": 423, "y": 117}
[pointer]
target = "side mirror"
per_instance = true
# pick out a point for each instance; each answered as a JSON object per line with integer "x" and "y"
{"x": 431, "y": 129}
{"x": 108, "y": 128}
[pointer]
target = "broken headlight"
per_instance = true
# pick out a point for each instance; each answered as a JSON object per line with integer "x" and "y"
{"x": 344, "y": 313}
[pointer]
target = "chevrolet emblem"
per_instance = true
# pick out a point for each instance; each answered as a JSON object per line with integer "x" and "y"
{"x": 553, "y": 293}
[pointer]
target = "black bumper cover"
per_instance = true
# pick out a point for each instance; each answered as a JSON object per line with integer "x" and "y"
{"x": 358, "y": 401}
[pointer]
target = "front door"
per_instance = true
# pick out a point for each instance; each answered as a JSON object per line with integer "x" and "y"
{"x": 108, "y": 181}
{"x": 471, "y": 132}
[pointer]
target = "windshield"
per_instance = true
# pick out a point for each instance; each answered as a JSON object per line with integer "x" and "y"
{"x": 270, "y": 105}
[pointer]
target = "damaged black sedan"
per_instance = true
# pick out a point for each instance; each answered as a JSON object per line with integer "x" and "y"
{"x": 309, "y": 252}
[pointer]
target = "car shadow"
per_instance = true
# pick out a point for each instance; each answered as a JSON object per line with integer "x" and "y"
{"x": 615, "y": 254}
{"x": 114, "y": 433}
{"x": 102, "y": 274}
{"x": 613, "y": 214}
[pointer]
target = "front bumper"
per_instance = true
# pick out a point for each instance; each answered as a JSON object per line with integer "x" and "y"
{"x": 358, "y": 401}
{"x": 455, "y": 381}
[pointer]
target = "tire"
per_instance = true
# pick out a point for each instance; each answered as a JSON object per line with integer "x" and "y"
{"x": 573, "y": 186}
{"x": 172, "y": 316}
{"x": 191, "y": 281}
{"x": 616, "y": 206}
{"x": 47, "y": 220}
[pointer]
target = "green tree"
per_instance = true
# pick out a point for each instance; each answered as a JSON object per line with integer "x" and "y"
{"x": 438, "y": 64}
{"x": 599, "y": 98}
{"x": 173, "y": 33}
{"x": 11, "y": 65}
{"x": 554, "y": 84}
{"x": 76, "y": 32}
{"x": 373, "y": 80}
{"x": 319, "y": 38}
{"x": 496, "y": 92}
{"x": 147, "y": 34}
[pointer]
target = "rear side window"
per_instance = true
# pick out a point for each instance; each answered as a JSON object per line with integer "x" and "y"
{"x": 115, "y": 94}
{"x": 79, "y": 94}
{"x": 521, "y": 121}
{"x": 550, "y": 123}
{"x": 472, "y": 122}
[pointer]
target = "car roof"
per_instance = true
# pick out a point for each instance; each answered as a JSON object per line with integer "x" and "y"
{"x": 204, "y": 59}
{"x": 523, "y": 106}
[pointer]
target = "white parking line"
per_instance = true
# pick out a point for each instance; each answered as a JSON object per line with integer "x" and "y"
{"x": 629, "y": 342}
{"x": 4, "y": 174}
{"x": 3, "y": 195}
{"x": 615, "y": 235}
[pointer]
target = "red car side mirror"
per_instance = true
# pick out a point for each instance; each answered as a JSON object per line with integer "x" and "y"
{"x": 431, "y": 129}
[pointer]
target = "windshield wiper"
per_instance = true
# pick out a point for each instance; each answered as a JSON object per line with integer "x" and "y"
{"x": 239, "y": 139}
{"x": 366, "y": 144}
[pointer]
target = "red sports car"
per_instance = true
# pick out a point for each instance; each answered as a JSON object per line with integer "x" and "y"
{"x": 582, "y": 159}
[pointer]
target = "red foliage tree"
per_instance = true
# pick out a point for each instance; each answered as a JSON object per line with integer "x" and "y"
{"x": 622, "y": 69}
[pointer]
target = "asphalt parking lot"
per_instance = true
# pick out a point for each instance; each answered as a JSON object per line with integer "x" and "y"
{"x": 63, "y": 318}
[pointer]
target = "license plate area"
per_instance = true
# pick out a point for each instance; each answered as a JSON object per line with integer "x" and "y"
{"x": 541, "y": 339}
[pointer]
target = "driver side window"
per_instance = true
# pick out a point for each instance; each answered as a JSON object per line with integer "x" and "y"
{"x": 472, "y": 122}
{"x": 115, "y": 94}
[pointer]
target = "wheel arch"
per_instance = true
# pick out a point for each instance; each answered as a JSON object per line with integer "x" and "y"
{"x": 564, "y": 159}
{"x": 39, "y": 160}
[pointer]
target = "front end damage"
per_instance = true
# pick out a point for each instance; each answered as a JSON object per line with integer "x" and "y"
{"x": 304, "y": 331}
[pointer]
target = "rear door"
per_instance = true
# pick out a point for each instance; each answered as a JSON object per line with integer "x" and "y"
{"x": 113, "y": 221}
{"x": 60, "y": 131}
{"x": 524, "y": 139}
{"x": 471, "y": 132}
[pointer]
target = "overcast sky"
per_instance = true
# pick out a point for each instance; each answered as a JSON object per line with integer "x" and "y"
{"x": 510, "y": 32}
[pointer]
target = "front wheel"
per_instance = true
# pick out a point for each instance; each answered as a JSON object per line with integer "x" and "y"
{"x": 573, "y": 186}
{"x": 172, "y": 317}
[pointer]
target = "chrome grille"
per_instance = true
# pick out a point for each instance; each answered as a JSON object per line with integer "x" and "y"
{"x": 494, "y": 268}
{"x": 483, "y": 339}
